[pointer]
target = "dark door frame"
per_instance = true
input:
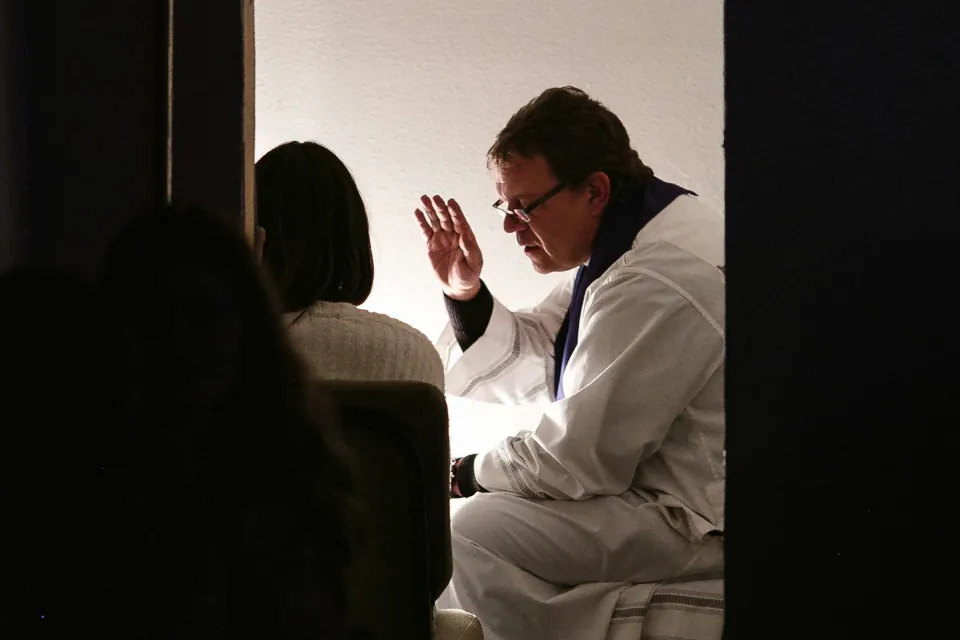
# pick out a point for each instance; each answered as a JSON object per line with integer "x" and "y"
{"x": 108, "y": 109}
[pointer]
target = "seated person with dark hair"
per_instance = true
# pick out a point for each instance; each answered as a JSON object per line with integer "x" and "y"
{"x": 316, "y": 248}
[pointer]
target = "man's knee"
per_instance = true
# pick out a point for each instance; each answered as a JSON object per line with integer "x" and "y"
{"x": 467, "y": 522}
{"x": 480, "y": 522}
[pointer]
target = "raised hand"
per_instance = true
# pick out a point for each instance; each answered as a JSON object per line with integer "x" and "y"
{"x": 451, "y": 246}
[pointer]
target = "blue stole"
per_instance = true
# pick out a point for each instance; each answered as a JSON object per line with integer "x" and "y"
{"x": 618, "y": 228}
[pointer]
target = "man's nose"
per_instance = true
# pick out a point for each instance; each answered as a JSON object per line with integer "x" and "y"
{"x": 512, "y": 224}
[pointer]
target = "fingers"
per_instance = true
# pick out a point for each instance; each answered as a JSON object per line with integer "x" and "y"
{"x": 459, "y": 221}
{"x": 430, "y": 213}
{"x": 468, "y": 241}
{"x": 424, "y": 224}
{"x": 437, "y": 215}
{"x": 443, "y": 213}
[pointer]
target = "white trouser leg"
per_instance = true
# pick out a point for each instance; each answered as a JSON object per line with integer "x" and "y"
{"x": 550, "y": 569}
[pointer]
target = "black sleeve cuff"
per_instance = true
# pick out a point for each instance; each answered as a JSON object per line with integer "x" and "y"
{"x": 470, "y": 318}
{"x": 466, "y": 477}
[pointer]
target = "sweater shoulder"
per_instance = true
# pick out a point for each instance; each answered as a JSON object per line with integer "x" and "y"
{"x": 351, "y": 343}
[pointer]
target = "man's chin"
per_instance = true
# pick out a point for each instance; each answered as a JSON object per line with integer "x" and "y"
{"x": 539, "y": 259}
{"x": 547, "y": 266}
{"x": 543, "y": 267}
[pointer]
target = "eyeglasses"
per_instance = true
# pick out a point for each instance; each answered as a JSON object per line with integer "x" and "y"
{"x": 524, "y": 213}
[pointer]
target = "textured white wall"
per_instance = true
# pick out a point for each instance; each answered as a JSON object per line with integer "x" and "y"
{"x": 410, "y": 93}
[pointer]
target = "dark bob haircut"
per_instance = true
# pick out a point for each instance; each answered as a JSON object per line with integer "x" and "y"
{"x": 317, "y": 244}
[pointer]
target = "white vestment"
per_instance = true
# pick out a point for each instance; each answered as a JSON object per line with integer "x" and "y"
{"x": 620, "y": 487}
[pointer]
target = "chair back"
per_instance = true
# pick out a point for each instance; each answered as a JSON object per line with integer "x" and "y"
{"x": 399, "y": 437}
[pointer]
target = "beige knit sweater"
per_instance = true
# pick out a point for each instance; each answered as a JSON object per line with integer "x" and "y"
{"x": 338, "y": 341}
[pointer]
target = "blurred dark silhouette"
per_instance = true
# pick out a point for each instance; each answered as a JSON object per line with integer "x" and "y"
{"x": 67, "y": 397}
{"x": 246, "y": 487}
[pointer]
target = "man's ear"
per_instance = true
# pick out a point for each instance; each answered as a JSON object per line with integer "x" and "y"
{"x": 598, "y": 188}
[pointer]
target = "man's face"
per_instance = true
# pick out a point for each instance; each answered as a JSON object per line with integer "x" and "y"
{"x": 560, "y": 232}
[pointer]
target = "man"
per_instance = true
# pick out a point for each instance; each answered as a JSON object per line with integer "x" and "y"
{"x": 622, "y": 481}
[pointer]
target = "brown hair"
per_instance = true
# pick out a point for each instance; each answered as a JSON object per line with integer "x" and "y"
{"x": 576, "y": 135}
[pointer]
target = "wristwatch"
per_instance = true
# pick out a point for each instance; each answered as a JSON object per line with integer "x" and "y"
{"x": 463, "y": 480}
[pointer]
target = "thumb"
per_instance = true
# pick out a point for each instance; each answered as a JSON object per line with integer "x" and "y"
{"x": 468, "y": 244}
